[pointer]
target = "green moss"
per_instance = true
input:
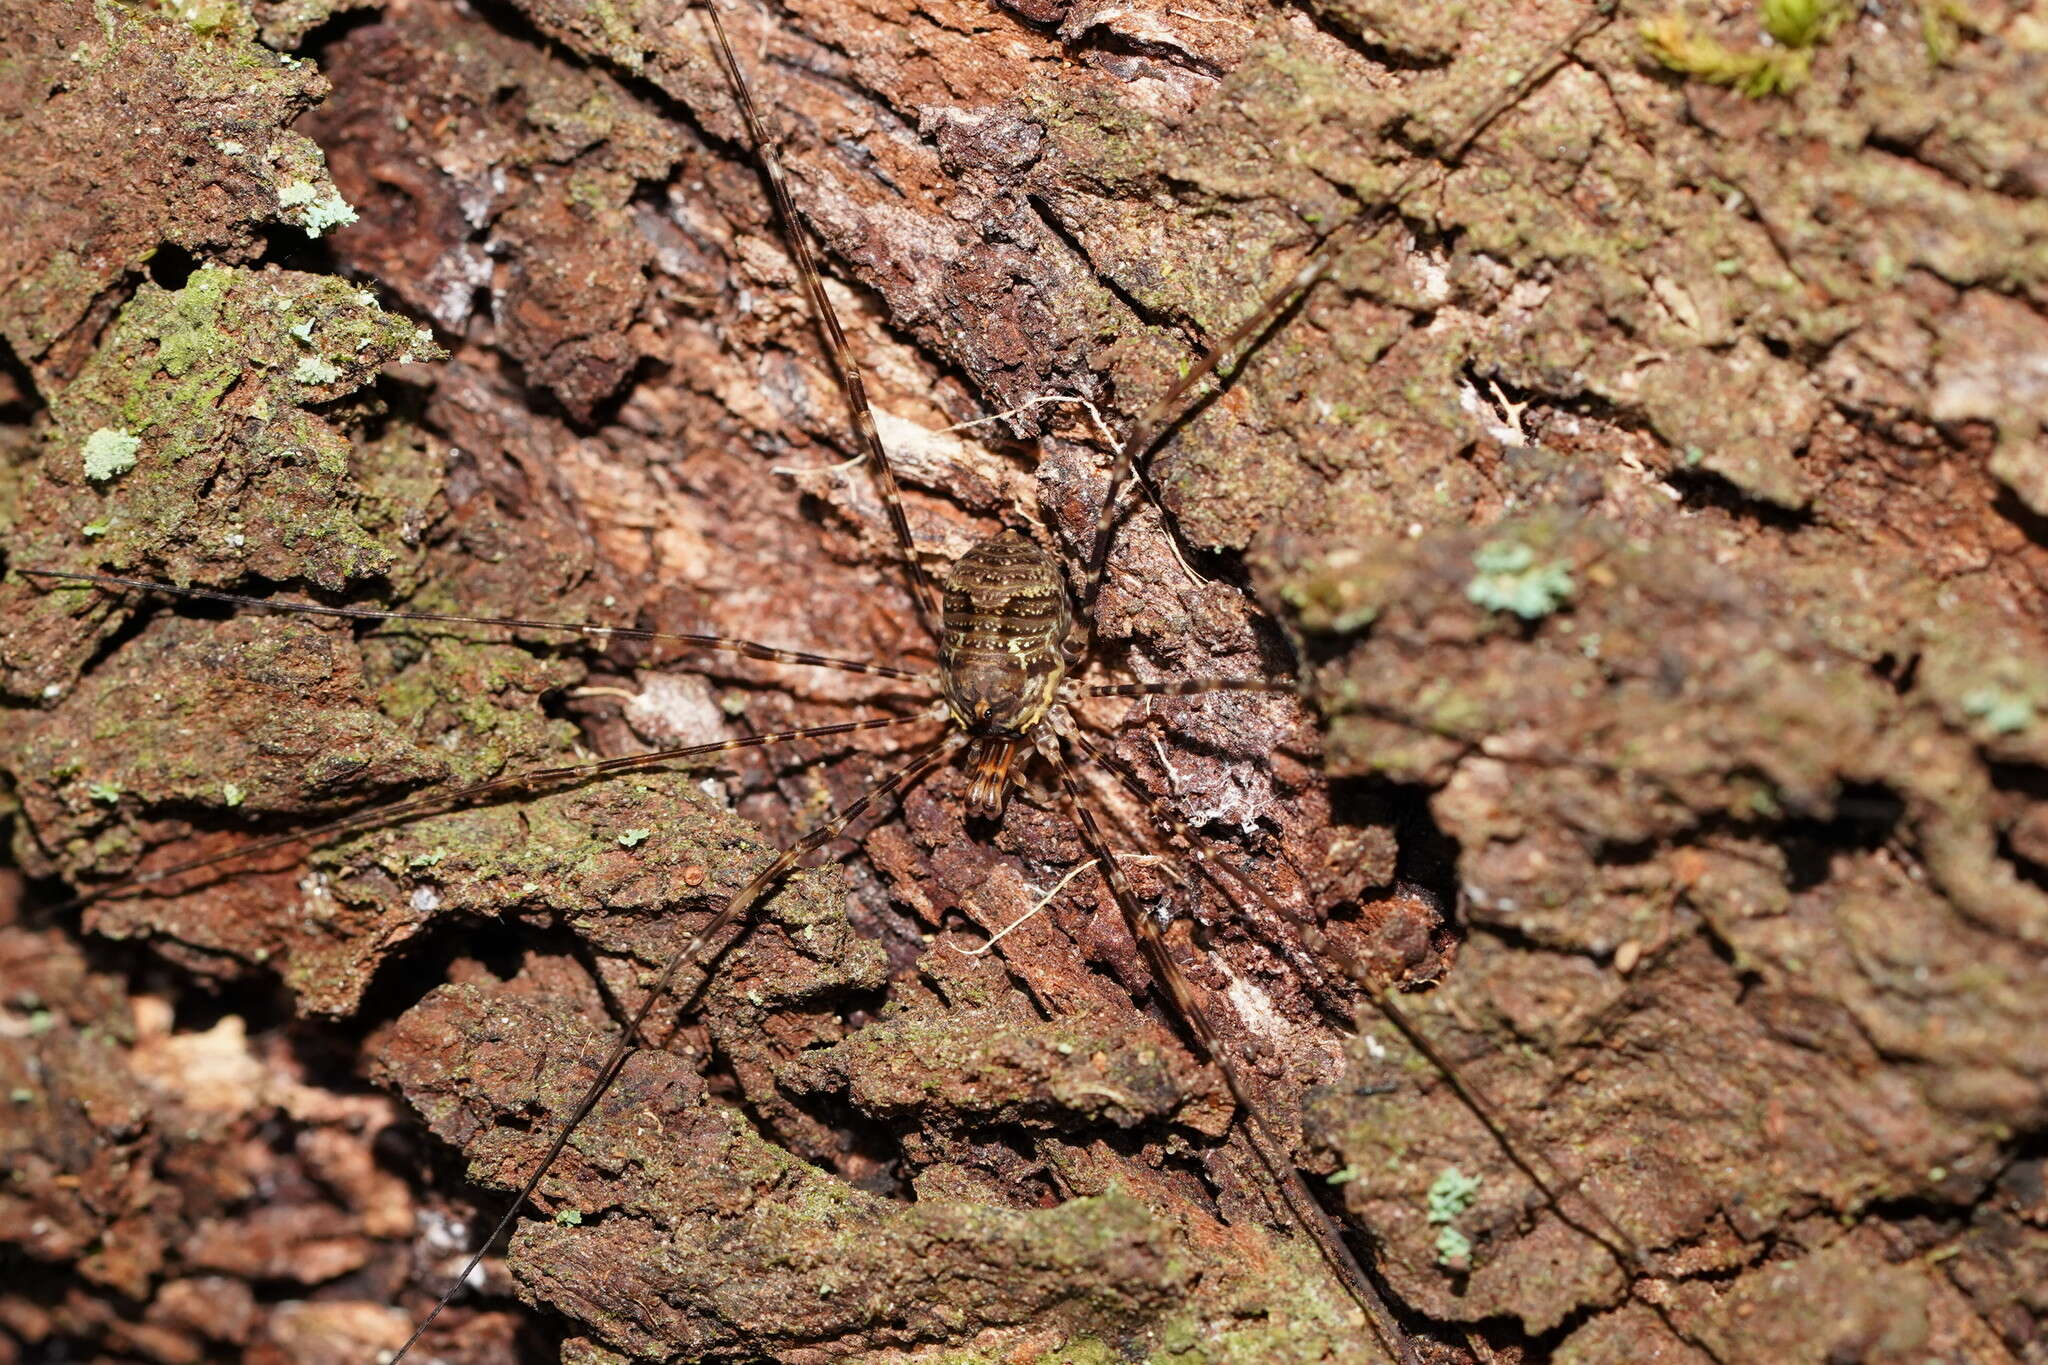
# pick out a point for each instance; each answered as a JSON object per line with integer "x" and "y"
{"x": 1795, "y": 25}
{"x": 1802, "y": 23}
{"x": 208, "y": 17}
{"x": 269, "y": 473}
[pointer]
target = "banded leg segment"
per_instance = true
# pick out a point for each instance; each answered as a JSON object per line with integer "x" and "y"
{"x": 838, "y": 353}
{"x": 721, "y": 643}
{"x": 1189, "y": 687}
{"x": 531, "y": 780}
{"x": 1609, "y": 1234}
{"x": 1193, "y": 1010}
{"x": 693, "y": 950}
{"x": 1225, "y": 356}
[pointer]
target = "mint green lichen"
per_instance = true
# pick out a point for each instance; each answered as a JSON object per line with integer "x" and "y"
{"x": 569, "y": 1218}
{"x": 314, "y": 370}
{"x": 633, "y": 838}
{"x": 107, "y": 792}
{"x": 1450, "y": 1195}
{"x": 2004, "y": 711}
{"x": 232, "y": 794}
{"x": 1511, "y": 579}
{"x": 316, "y": 208}
{"x": 109, "y": 451}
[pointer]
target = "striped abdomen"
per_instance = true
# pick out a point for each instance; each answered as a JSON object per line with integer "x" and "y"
{"x": 1006, "y": 618}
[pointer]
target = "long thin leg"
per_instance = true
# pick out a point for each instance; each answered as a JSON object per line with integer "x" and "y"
{"x": 722, "y": 643}
{"x": 1214, "y": 869}
{"x": 1226, "y": 354}
{"x": 529, "y": 780}
{"x": 1190, "y": 687}
{"x": 1194, "y": 1013}
{"x": 837, "y": 351}
{"x": 923, "y": 762}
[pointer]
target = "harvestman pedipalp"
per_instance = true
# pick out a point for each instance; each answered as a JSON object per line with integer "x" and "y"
{"x": 1012, "y": 643}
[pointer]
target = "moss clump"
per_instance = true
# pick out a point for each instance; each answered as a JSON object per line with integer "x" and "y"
{"x": 1795, "y": 26}
{"x": 212, "y": 379}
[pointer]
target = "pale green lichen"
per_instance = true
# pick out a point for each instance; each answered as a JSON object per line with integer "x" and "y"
{"x": 106, "y": 792}
{"x": 314, "y": 370}
{"x": 1510, "y": 579}
{"x": 569, "y": 1218}
{"x": 232, "y": 794}
{"x": 109, "y": 451}
{"x": 1450, "y": 1195}
{"x": 632, "y": 838}
{"x": 2002, "y": 710}
{"x": 316, "y": 208}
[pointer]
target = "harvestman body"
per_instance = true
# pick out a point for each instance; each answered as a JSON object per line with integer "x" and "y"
{"x": 1011, "y": 640}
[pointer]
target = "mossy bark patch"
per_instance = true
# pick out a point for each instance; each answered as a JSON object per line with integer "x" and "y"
{"x": 242, "y": 464}
{"x": 128, "y": 133}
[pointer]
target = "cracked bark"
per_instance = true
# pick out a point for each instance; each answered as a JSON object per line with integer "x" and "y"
{"x": 1707, "y": 686}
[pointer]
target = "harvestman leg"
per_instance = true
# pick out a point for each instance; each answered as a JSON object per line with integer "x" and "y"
{"x": 920, "y": 764}
{"x": 1194, "y": 1012}
{"x": 526, "y": 782}
{"x": 1223, "y": 358}
{"x": 1610, "y": 1235}
{"x": 827, "y": 319}
{"x": 1217, "y": 364}
{"x": 719, "y": 643}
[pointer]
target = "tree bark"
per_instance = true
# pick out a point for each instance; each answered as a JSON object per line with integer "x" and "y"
{"x": 1654, "y": 512}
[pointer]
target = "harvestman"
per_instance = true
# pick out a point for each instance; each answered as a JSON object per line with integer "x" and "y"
{"x": 1011, "y": 646}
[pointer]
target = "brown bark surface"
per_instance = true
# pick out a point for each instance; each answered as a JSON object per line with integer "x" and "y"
{"x": 1656, "y": 515}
